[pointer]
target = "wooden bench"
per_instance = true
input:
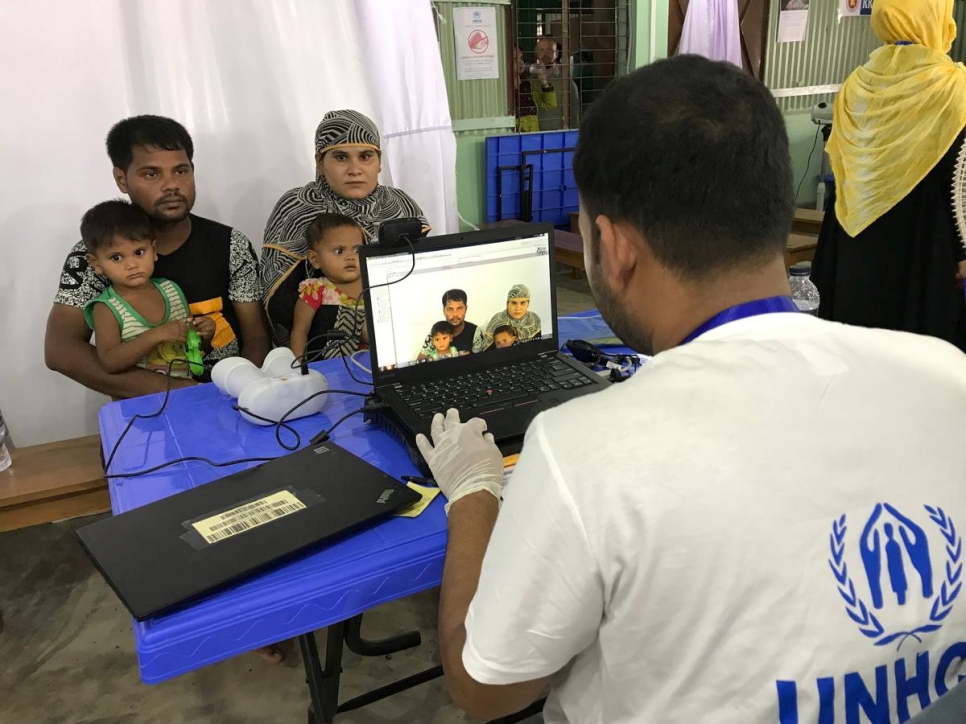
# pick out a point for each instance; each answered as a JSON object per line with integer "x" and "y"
{"x": 800, "y": 247}
{"x": 807, "y": 221}
{"x": 569, "y": 251}
{"x": 53, "y": 481}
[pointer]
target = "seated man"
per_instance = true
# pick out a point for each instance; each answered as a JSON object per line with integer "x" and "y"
{"x": 213, "y": 264}
{"x": 765, "y": 523}
{"x": 465, "y": 334}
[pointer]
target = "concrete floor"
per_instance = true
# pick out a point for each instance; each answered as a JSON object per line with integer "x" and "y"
{"x": 67, "y": 651}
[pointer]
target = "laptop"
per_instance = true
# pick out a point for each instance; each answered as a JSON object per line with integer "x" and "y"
{"x": 505, "y": 378}
{"x": 174, "y": 551}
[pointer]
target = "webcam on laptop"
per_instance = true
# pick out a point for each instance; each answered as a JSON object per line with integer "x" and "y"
{"x": 400, "y": 232}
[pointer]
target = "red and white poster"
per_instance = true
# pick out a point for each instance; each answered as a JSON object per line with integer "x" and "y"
{"x": 854, "y": 8}
{"x": 476, "y": 43}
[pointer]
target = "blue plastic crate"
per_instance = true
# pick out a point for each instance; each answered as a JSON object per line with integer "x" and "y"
{"x": 532, "y": 170}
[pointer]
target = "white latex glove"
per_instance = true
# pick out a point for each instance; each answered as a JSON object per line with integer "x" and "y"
{"x": 463, "y": 459}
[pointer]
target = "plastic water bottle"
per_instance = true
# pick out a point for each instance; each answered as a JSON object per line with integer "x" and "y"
{"x": 5, "y": 460}
{"x": 804, "y": 293}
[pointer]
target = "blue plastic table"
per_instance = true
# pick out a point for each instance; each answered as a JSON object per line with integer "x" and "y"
{"x": 395, "y": 559}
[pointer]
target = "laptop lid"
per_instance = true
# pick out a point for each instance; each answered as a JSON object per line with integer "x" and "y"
{"x": 171, "y": 552}
{"x": 486, "y": 268}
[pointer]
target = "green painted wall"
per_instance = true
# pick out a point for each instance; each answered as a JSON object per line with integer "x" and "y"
{"x": 641, "y": 22}
{"x": 470, "y": 186}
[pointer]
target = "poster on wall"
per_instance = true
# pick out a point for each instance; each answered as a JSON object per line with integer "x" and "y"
{"x": 476, "y": 43}
{"x": 792, "y": 21}
{"x": 854, "y": 8}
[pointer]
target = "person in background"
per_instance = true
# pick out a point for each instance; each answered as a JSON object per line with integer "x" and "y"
{"x": 348, "y": 159}
{"x": 139, "y": 320}
{"x": 329, "y": 299}
{"x": 553, "y": 90}
{"x": 526, "y": 107}
{"x": 698, "y": 543}
{"x": 213, "y": 264}
{"x": 891, "y": 251}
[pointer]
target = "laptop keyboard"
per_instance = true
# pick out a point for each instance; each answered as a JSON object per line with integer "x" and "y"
{"x": 491, "y": 386}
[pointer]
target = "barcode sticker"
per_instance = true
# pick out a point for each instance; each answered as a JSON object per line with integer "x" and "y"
{"x": 248, "y": 516}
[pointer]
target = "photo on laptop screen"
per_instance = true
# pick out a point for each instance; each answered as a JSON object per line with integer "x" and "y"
{"x": 505, "y": 285}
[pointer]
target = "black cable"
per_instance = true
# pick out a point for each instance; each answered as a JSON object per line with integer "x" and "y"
{"x": 807, "y": 164}
{"x": 127, "y": 429}
{"x": 336, "y": 335}
{"x": 280, "y": 423}
{"x": 302, "y": 359}
{"x": 325, "y": 434}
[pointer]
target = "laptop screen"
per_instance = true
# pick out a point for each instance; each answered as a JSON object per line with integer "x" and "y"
{"x": 497, "y": 294}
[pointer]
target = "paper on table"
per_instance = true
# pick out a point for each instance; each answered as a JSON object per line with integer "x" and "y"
{"x": 428, "y": 495}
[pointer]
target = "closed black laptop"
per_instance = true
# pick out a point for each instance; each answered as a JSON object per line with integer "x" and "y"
{"x": 171, "y": 552}
{"x": 506, "y": 370}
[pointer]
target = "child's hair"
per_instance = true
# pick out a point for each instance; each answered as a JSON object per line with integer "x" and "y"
{"x": 114, "y": 218}
{"x": 505, "y": 329}
{"x": 443, "y": 327}
{"x": 324, "y": 223}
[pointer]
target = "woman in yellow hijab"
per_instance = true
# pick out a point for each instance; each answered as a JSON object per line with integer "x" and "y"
{"x": 892, "y": 252}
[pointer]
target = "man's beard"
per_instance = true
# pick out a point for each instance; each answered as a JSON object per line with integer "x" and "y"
{"x": 161, "y": 216}
{"x": 613, "y": 312}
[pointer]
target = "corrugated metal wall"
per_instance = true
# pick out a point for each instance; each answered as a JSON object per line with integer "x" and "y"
{"x": 958, "y": 51}
{"x": 474, "y": 104}
{"x": 831, "y": 50}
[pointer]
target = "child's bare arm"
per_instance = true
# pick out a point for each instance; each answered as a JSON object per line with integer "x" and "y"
{"x": 117, "y": 356}
{"x": 301, "y": 323}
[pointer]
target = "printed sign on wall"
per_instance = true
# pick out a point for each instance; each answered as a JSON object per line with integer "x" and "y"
{"x": 852, "y": 8}
{"x": 476, "y": 43}
{"x": 792, "y": 21}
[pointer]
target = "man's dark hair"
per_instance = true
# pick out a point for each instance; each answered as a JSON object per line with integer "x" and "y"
{"x": 505, "y": 328}
{"x": 109, "y": 219}
{"x": 326, "y": 222}
{"x": 443, "y": 327}
{"x": 454, "y": 295}
{"x": 694, "y": 154}
{"x": 147, "y": 131}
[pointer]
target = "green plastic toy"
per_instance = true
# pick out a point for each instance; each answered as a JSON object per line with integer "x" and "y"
{"x": 194, "y": 355}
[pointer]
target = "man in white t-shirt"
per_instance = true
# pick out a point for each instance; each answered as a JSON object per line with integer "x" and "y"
{"x": 764, "y": 524}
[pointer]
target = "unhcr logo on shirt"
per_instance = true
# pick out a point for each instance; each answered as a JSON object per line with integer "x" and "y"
{"x": 884, "y": 570}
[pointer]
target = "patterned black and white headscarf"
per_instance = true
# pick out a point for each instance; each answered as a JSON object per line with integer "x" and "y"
{"x": 284, "y": 242}
{"x": 345, "y": 128}
{"x": 527, "y": 327}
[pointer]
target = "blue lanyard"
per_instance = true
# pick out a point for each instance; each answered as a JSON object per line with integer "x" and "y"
{"x": 904, "y": 42}
{"x": 771, "y": 305}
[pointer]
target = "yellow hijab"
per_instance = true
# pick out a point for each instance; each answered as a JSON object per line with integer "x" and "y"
{"x": 897, "y": 115}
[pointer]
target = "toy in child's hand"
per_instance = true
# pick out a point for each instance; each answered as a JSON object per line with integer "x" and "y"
{"x": 273, "y": 390}
{"x": 194, "y": 354}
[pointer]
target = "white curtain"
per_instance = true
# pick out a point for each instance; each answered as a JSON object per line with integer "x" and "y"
{"x": 250, "y": 79}
{"x": 712, "y": 29}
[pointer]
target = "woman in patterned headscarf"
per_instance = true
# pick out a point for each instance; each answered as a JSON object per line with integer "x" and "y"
{"x": 891, "y": 252}
{"x": 348, "y": 162}
{"x": 517, "y": 315}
